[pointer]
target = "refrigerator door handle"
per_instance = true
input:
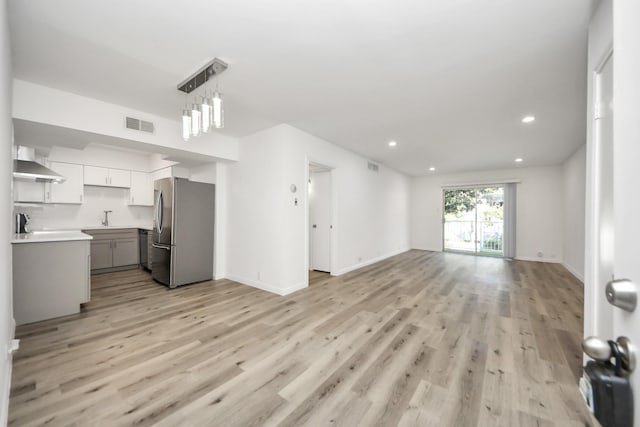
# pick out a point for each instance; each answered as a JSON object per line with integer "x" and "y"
{"x": 155, "y": 212}
{"x": 166, "y": 248}
{"x": 160, "y": 212}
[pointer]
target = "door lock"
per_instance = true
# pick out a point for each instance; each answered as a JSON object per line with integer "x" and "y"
{"x": 602, "y": 351}
{"x": 622, "y": 293}
{"x": 605, "y": 385}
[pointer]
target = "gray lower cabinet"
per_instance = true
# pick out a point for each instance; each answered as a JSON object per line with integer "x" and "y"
{"x": 50, "y": 279}
{"x": 125, "y": 251}
{"x": 101, "y": 254}
{"x": 114, "y": 249}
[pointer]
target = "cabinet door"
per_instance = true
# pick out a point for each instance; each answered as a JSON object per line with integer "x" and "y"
{"x": 72, "y": 189}
{"x": 119, "y": 178}
{"x": 28, "y": 191}
{"x": 141, "y": 193}
{"x": 101, "y": 254}
{"x": 94, "y": 175}
{"x": 125, "y": 252}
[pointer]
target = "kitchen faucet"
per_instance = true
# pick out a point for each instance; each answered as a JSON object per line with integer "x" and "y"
{"x": 106, "y": 218}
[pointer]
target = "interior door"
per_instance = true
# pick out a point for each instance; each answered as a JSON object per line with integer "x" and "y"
{"x": 613, "y": 225}
{"x": 320, "y": 220}
{"x": 626, "y": 153}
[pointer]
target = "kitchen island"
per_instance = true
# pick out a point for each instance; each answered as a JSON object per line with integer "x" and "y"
{"x": 51, "y": 274}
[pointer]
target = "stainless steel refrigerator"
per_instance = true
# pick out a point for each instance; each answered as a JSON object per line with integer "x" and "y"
{"x": 182, "y": 231}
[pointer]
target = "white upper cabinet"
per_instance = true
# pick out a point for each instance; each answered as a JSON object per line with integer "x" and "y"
{"x": 119, "y": 178}
{"x": 94, "y": 175}
{"x": 141, "y": 192}
{"x": 71, "y": 190}
{"x": 28, "y": 191}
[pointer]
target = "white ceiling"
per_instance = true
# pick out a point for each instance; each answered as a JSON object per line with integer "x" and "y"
{"x": 448, "y": 80}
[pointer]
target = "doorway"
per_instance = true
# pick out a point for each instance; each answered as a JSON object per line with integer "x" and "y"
{"x": 602, "y": 192}
{"x": 320, "y": 217}
{"x": 473, "y": 220}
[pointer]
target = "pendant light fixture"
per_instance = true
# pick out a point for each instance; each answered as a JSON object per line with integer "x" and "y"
{"x": 206, "y": 113}
{"x": 209, "y": 113}
{"x": 218, "y": 110}
{"x": 196, "y": 116}
{"x": 186, "y": 124}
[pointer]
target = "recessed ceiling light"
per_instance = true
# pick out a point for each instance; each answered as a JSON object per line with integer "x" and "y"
{"x": 528, "y": 119}
{"x": 392, "y": 143}
{"x": 519, "y": 160}
{"x": 432, "y": 168}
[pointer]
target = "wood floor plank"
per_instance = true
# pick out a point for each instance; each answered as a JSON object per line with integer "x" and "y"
{"x": 418, "y": 339}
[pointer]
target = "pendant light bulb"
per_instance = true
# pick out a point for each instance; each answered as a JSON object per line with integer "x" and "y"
{"x": 206, "y": 115}
{"x": 186, "y": 125}
{"x": 218, "y": 110}
{"x": 195, "y": 120}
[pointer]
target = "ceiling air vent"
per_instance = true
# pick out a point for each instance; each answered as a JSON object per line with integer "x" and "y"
{"x": 137, "y": 124}
{"x": 373, "y": 167}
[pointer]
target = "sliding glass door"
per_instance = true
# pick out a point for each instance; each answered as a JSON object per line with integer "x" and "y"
{"x": 474, "y": 220}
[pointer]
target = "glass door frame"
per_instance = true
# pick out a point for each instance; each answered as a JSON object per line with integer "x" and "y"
{"x": 475, "y": 244}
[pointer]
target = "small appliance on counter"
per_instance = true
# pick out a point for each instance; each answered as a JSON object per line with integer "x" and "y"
{"x": 22, "y": 219}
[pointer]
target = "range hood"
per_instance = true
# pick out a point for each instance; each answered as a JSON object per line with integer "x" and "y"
{"x": 26, "y": 167}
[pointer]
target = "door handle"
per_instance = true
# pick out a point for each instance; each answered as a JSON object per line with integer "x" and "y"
{"x": 622, "y": 293}
{"x": 603, "y": 351}
{"x": 315, "y": 226}
{"x": 166, "y": 248}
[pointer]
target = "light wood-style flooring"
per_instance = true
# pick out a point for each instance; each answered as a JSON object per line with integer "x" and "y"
{"x": 420, "y": 339}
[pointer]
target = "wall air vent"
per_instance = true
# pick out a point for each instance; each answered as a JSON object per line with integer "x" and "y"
{"x": 137, "y": 124}
{"x": 373, "y": 167}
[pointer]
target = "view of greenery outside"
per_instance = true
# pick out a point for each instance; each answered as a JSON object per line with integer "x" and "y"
{"x": 462, "y": 232}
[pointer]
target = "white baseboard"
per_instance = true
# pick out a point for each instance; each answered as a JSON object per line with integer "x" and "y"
{"x": 538, "y": 259}
{"x": 266, "y": 286}
{"x": 367, "y": 262}
{"x": 573, "y": 271}
{"x": 219, "y": 276}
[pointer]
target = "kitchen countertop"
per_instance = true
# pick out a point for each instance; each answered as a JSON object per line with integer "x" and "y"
{"x": 115, "y": 227}
{"x": 50, "y": 236}
{"x": 97, "y": 227}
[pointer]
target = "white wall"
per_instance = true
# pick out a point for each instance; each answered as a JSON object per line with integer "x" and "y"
{"x": 90, "y": 212}
{"x": 43, "y": 104}
{"x": 107, "y": 157}
{"x": 539, "y": 218}
{"x": 574, "y": 211}
{"x": 268, "y": 233}
{"x": 6, "y": 228}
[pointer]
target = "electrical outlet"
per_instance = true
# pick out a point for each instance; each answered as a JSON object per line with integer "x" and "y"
{"x": 540, "y": 254}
